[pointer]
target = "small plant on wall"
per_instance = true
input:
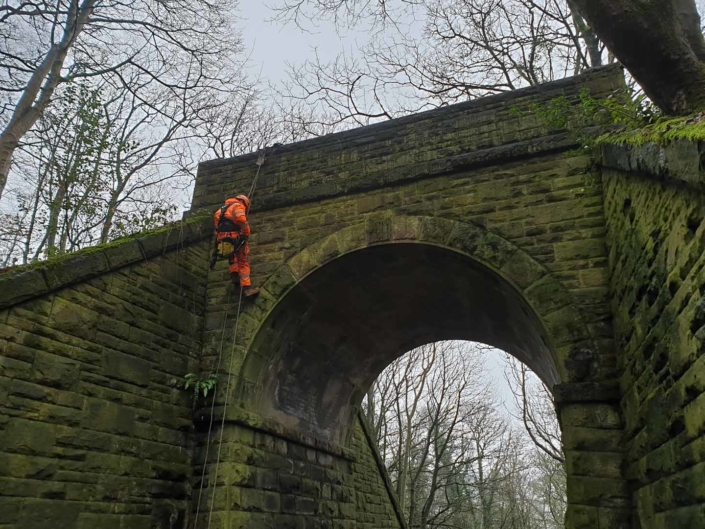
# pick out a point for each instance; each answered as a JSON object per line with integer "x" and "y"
{"x": 200, "y": 385}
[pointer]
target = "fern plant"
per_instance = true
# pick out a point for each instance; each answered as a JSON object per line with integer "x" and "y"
{"x": 200, "y": 385}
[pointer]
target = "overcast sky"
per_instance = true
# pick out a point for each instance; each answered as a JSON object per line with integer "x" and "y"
{"x": 273, "y": 45}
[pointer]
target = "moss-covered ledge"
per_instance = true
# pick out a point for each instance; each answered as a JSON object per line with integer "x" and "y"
{"x": 25, "y": 282}
{"x": 238, "y": 415}
{"x": 672, "y": 149}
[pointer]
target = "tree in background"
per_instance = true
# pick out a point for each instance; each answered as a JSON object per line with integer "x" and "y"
{"x": 466, "y": 49}
{"x": 660, "y": 42}
{"x": 61, "y": 172}
{"x": 454, "y": 458}
{"x": 141, "y": 92}
{"x": 536, "y": 410}
{"x": 177, "y": 46}
{"x": 83, "y": 170}
{"x": 149, "y": 150}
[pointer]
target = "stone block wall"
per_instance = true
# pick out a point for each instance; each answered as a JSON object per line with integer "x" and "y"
{"x": 480, "y": 162}
{"x": 476, "y": 133}
{"x": 94, "y": 427}
{"x": 267, "y": 481}
{"x": 550, "y": 206}
{"x": 655, "y": 212}
{"x": 96, "y": 432}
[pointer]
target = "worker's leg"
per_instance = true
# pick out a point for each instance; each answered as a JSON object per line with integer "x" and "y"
{"x": 244, "y": 271}
{"x": 234, "y": 266}
{"x": 243, "y": 264}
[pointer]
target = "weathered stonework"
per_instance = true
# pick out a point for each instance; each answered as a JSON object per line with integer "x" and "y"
{"x": 266, "y": 480}
{"x": 468, "y": 222}
{"x": 656, "y": 235}
{"x": 447, "y": 224}
{"x": 94, "y": 429}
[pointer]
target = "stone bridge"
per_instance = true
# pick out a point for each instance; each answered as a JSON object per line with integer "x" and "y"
{"x": 473, "y": 222}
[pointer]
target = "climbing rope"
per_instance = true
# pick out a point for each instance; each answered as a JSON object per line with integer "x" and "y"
{"x": 210, "y": 424}
{"x": 225, "y": 406}
{"x": 260, "y": 162}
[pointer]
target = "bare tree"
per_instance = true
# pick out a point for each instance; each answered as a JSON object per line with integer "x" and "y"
{"x": 660, "y": 43}
{"x": 536, "y": 408}
{"x": 466, "y": 49}
{"x": 454, "y": 397}
{"x": 178, "y": 45}
{"x": 12, "y": 237}
{"x": 455, "y": 459}
{"x": 105, "y": 161}
{"x": 61, "y": 170}
{"x": 345, "y": 13}
{"x": 549, "y": 488}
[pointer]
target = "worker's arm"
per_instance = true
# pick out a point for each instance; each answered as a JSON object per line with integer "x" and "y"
{"x": 237, "y": 214}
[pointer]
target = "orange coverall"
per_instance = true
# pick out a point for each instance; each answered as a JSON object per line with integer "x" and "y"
{"x": 234, "y": 226}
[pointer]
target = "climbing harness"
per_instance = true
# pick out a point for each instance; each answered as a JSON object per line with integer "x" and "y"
{"x": 225, "y": 248}
{"x": 239, "y": 242}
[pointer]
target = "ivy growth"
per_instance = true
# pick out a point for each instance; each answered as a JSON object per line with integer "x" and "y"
{"x": 200, "y": 384}
{"x": 661, "y": 132}
{"x": 587, "y": 116}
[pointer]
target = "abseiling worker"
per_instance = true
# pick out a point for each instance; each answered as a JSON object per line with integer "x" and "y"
{"x": 232, "y": 231}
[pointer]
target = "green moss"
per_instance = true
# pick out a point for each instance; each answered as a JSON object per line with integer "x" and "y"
{"x": 167, "y": 227}
{"x": 636, "y": 121}
{"x": 586, "y": 117}
{"x": 112, "y": 244}
{"x": 662, "y": 132}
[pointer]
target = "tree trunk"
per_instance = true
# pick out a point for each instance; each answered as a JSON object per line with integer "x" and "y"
{"x": 107, "y": 227}
{"x": 40, "y": 88}
{"x": 661, "y": 45}
{"x": 54, "y": 213}
{"x": 412, "y": 504}
{"x": 592, "y": 42}
{"x": 7, "y": 147}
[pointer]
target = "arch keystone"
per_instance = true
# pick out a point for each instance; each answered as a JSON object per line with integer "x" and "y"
{"x": 406, "y": 228}
{"x": 379, "y": 228}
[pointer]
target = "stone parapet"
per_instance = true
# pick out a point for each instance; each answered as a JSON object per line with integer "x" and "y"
{"x": 26, "y": 282}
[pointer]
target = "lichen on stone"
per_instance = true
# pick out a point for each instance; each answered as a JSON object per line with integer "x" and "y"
{"x": 56, "y": 259}
{"x": 662, "y": 132}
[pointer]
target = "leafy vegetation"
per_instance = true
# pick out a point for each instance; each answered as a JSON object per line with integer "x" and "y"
{"x": 200, "y": 385}
{"x": 586, "y": 118}
{"x": 632, "y": 120}
{"x": 662, "y": 131}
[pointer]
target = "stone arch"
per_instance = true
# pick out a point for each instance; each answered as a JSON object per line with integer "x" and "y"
{"x": 550, "y": 335}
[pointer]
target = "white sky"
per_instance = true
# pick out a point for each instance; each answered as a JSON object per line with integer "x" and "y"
{"x": 273, "y": 45}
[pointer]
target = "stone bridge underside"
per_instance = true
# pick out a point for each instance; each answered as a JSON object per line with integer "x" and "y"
{"x": 472, "y": 222}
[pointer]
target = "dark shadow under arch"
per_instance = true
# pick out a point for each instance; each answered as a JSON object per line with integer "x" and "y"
{"x": 329, "y": 337}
